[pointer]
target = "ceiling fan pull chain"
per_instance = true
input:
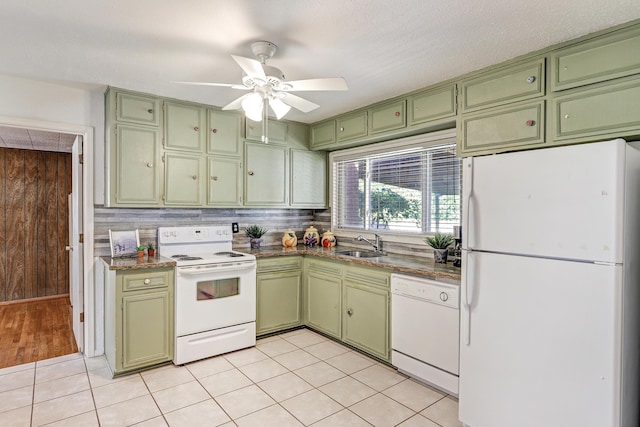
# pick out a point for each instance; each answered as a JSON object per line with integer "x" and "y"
{"x": 265, "y": 118}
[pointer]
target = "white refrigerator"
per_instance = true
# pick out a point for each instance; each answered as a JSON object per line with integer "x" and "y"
{"x": 550, "y": 292}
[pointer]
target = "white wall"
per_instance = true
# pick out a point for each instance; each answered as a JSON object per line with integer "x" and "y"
{"x": 52, "y": 102}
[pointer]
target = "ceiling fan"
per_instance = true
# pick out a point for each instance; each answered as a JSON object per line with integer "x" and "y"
{"x": 268, "y": 87}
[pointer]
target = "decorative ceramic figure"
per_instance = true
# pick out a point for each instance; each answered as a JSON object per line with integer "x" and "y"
{"x": 289, "y": 239}
{"x": 328, "y": 239}
{"x": 311, "y": 236}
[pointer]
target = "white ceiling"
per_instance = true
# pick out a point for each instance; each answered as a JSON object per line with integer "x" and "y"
{"x": 382, "y": 48}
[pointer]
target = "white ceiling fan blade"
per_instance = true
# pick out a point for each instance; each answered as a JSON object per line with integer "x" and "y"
{"x": 251, "y": 67}
{"x": 299, "y": 103}
{"x": 232, "y": 86}
{"x": 236, "y": 104}
{"x": 332, "y": 83}
{"x": 279, "y": 107}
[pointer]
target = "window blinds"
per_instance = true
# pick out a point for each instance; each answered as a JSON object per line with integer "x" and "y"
{"x": 414, "y": 189}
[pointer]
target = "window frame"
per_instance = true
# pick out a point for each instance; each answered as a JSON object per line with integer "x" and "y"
{"x": 431, "y": 139}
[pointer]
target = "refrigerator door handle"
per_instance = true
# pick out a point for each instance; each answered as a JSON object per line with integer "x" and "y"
{"x": 469, "y": 293}
{"x": 467, "y": 187}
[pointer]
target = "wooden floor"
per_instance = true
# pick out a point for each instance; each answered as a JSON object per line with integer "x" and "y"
{"x": 35, "y": 330}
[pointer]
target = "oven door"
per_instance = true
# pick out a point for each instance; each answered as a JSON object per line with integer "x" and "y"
{"x": 214, "y": 296}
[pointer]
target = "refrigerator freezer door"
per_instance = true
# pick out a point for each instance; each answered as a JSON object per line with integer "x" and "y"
{"x": 564, "y": 202}
{"x": 543, "y": 342}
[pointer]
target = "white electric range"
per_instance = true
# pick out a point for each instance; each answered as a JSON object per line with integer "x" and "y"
{"x": 215, "y": 291}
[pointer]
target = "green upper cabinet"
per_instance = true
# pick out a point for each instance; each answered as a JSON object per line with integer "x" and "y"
{"x": 224, "y": 183}
{"x": 140, "y": 109}
{"x": 500, "y": 129}
{"x": 183, "y": 126}
{"x": 277, "y": 131}
{"x": 323, "y": 134}
{"x": 430, "y": 105}
{"x": 308, "y": 179}
{"x": 606, "y": 110}
{"x": 388, "y": 117}
{"x": 514, "y": 83}
{"x": 136, "y": 166}
{"x": 266, "y": 181}
{"x": 603, "y": 58}
{"x": 223, "y": 132}
{"x": 352, "y": 126}
{"x": 183, "y": 179}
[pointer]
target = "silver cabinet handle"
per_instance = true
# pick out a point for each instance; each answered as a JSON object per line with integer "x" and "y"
{"x": 214, "y": 130}
{"x": 149, "y": 165}
{"x": 147, "y": 281}
{"x": 196, "y": 128}
{"x": 350, "y": 311}
{"x": 194, "y": 177}
{"x": 531, "y": 79}
{"x": 250, "y": 173}
{"x": 530, "y": 123}
{"x": 150, "y": 111}
{"x": 214, "y": 178}
{"x": 342, "y": 129}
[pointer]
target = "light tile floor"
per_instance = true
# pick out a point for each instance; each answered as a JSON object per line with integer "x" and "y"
{"x": 293, "y": 379}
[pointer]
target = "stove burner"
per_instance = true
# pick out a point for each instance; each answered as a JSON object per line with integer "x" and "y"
{"x": 179, "y": 256}
{"x": 187, "y": 258}
{"x": 230, "y": 254}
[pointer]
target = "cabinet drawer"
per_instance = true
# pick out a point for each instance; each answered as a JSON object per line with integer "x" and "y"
{"x": 277, "y": 130}
{"x": 183, "y": 125}
{"x": 610, "y": 109}
{"x": 513, "y": 84}
{"x": 147, "y": 280}
{"x": 137, "y": 109}
{"x": 502, "y": 128}
{"x": 352, "y": 126}
{"x": 367, "y": 276}
{"x": 432, "y": 105}
{"x": 279, "y": 264}
{"x": 604, "y": 58}
{"x": 323, "y": 134}
{"x": 388, "y": 117}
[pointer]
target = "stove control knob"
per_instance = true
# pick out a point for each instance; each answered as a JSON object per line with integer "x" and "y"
{"x": 444, "y": 296}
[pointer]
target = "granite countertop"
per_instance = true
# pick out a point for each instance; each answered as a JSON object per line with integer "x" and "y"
{"x": 425, "y": 267}
{"x": 137, "y": 263}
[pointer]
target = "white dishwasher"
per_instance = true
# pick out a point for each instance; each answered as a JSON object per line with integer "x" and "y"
{"x": 425, "y": 330}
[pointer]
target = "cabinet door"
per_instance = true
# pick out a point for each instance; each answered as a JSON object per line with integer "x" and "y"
{"x": 277, "y": 131}
{"x": 144, "y": 110}
{"x": 183, "y": 127}
{"x": 608, "y": 110}
{"x": 432, "y": 105}
{"x": 278, "y": 300}
{"x": 366, "y": 318}
{"x": 147, "y": 329}
{"x": 502, "y": 129}
{"x": 388, "y": 117}
{"x": 323, "y": 134}
{"x": 323, "y": 301}
{"x": 603, "y": 58}
{"x": 308, "y": 178}
{"x": 352, "y": 126}
{"x": 136, "y": 165}
{"x": 224, "y": 182}
{"x": 512, "y": 84}
{"x": 266, "y": 180}
{"x": 223, "y": 135}
{"x": 183, "y": 179}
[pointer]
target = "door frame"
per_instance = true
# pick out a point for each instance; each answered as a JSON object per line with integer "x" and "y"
{"x": 87, "y": 133}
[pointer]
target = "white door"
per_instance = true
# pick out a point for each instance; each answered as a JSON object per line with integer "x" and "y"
{"x": 540, "y": 342}
{"x": 76, "y": 285}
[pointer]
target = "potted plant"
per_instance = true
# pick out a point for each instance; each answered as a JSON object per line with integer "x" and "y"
{"x": 440, "y": 244}
{"x": 255, "y": 233}
{"x": 151, "y": 251}
{"x": 140, "y": 250}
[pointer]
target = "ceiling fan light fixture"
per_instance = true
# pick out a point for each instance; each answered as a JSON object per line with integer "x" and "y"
{"x": 252, "y": 106}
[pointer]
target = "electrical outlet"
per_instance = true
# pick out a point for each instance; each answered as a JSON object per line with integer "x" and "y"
{"x": 234, "y": 227}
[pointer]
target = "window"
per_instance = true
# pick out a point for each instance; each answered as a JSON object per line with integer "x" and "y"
{"x": 410, "y": 187}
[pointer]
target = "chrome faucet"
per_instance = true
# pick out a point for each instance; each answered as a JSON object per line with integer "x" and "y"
{"x": 377, "y": 246}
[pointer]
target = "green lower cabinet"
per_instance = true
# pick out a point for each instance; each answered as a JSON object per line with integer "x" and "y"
{"x": 323, "y": 297}
{"x": 279, "y": 286}
{"x": 366, "y": 319}
{"x": 139, "y": 331}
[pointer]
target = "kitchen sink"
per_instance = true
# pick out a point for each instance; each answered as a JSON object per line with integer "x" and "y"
{"x": 360, "y": 254}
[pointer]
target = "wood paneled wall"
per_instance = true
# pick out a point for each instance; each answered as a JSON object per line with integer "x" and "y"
{"x": 34, "y": 223}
